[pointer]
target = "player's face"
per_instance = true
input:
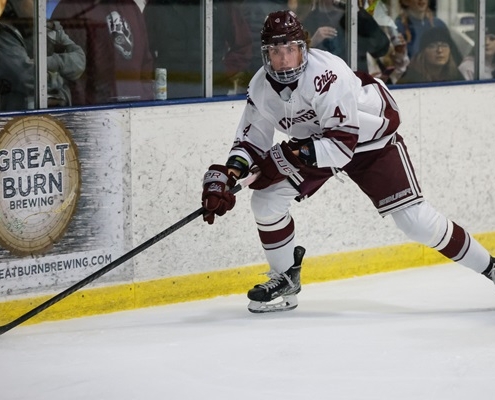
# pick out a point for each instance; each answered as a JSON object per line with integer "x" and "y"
{"x": 437, "y": 53}
{"x": 284, "y": 57}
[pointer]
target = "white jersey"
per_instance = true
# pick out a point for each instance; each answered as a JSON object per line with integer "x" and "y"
{"x": 342, "y": 111}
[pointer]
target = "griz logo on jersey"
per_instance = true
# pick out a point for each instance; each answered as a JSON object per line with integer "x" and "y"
{"x": 286, "y": 123}
{"x": 324, "y": 81}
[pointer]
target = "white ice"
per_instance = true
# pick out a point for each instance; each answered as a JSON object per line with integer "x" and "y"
{"x": 426, "y": 333}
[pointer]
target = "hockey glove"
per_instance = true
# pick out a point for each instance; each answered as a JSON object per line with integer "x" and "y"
{"x": 216, "y": 198}
{"x": 275, "y": 165}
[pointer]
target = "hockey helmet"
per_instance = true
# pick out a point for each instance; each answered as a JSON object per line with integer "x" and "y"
{"x": 283, "y": 28}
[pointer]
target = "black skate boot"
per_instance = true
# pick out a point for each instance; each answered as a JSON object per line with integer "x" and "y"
{"x": 286, "y": 285}
{"x": 490, "y": 271}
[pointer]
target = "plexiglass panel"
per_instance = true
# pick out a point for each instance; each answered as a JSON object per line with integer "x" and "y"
{"x": 113, "y": 51}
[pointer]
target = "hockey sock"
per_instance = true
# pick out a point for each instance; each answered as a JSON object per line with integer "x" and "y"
{"x": 423, "y": 224}
{"x": 277, "y": 240}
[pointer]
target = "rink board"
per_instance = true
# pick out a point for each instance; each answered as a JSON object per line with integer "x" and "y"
{"x": 142, "y": 169}
{"x": 193, "y": 287}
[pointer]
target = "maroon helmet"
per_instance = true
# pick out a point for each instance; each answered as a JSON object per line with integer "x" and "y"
{"x": 282, "y": 28}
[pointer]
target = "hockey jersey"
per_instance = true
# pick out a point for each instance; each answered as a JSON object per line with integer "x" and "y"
{"x": 112, "y": 33}
{"x": 341, "y": 111}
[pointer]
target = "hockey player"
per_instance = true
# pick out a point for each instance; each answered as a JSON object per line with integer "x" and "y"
{"x": 337, "y": 120}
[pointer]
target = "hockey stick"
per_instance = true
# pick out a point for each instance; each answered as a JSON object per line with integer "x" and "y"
{"x": 150, "y": 242}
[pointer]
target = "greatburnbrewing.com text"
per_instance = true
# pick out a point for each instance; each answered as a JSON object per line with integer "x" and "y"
{"x": 54, "y": 266}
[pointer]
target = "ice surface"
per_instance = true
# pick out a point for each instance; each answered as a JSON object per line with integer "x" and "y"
{"x": 426, "y": 333}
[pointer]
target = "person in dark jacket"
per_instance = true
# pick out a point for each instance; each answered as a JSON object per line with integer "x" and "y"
{"x": 16, "y": 70}
{"x": 434, "y": 61}
{"x": 65, "y": 62}
{"x": 414, "y": 19}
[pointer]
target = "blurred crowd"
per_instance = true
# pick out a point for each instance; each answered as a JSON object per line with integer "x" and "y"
{"x": 108, "y": 51}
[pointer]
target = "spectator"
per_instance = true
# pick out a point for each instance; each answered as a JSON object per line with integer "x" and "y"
{"x": 253, "y": 12}
{"x": 113, "y": 36}
{"x": 176, "y": 42}
{"x": 434, "y": 61}
{"x": 323, "y": 25}
{"x": 414, "y": 19}
{"x": 16, "y": 67}
{"x": 326, "y": 24}
{"x": 65, "y": 62}
{"x": 467, "y": 66}
{"x": 392, "y": 65}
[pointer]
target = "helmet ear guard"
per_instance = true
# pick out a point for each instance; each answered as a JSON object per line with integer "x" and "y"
{"x": 283, "y": 28}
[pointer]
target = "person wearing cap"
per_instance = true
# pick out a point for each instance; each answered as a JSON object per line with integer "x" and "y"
{"x": 414, "y": 19}
{"x": 335, "y": 121}
{"x": 467, "y": 66}
{"x": 435, "y": 60}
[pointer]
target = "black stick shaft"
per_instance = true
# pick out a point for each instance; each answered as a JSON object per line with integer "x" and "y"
{"x": 150, "y": 242}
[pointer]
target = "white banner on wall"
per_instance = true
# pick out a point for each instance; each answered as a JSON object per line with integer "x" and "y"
{"x": 62, "y": 198}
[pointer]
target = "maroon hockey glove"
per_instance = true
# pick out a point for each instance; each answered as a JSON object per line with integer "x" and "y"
{"x": 216, "y": 198}
{"x": 275, "y": 165}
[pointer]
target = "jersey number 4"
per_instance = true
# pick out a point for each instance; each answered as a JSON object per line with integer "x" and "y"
{"x": 338, "y": 114}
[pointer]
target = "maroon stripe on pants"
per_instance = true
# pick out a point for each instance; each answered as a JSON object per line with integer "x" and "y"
{"x": 273, "y": 237}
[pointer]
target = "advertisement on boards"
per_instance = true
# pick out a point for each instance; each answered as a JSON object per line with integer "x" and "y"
{"x": 62, "y": 198}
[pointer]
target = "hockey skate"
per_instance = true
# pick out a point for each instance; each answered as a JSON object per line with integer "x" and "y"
{"x": 280, "y": 292}
{"x": 490, "y": 271}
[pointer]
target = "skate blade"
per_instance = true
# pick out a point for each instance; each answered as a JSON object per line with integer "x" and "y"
{"x": 287, "y": 303}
